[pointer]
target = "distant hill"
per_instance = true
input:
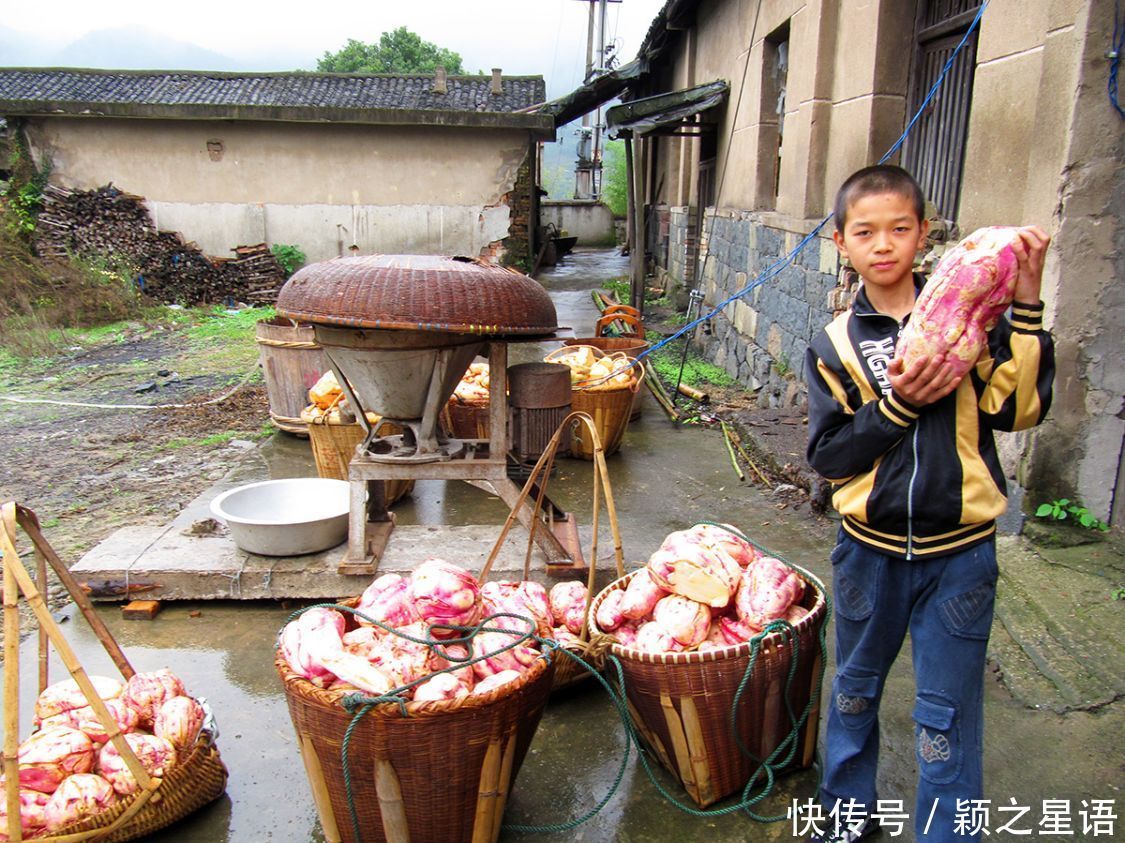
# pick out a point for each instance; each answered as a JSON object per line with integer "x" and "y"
{"x": 135, "y": 48}
{"x": 18, "y": 49}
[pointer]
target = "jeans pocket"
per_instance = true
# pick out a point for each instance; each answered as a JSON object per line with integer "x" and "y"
{"x": 856, "y": 699}
{"x": 854, "y": 581}
{"x": 968, "y": 612}
{"x": 937, "y": 741}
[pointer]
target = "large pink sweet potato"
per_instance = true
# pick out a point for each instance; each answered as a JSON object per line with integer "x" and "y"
{"x": 971, "y": 287}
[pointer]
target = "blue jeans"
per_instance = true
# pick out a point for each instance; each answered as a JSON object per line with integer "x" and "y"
{"x": 946, "y": 603}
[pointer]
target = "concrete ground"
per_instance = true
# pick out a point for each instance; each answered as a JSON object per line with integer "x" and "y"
{"x": 664, "y": 478}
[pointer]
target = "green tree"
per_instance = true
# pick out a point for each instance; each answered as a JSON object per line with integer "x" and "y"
{"x": 615, "y": 185}
{"x": 400, "y": 51}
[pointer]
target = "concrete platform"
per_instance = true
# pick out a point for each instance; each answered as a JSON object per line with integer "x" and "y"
{"x": 174, "y": 563}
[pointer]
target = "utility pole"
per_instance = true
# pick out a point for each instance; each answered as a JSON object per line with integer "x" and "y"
{"x": 596, "y": 172}
{"x": 587, "y": 171}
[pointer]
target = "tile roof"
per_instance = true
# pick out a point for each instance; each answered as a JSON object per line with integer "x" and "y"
{"x": 254, "y": 95}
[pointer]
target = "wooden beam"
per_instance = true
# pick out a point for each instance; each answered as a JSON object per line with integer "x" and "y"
{"x": 637, "y": 250}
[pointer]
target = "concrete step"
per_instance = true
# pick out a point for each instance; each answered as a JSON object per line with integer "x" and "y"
{"x": 1020, "y": 675}
{"x": 1057, "y": 627}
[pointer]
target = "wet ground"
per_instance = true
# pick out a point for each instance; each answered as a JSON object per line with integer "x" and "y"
{"x": 664, "y": 478}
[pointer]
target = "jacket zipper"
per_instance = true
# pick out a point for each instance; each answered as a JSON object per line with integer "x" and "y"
{"x": 913, "y": 475}
{"x": 900, "y": 324}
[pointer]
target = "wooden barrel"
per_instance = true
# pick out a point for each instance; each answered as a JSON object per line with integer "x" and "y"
{"x": 292, "y": 362}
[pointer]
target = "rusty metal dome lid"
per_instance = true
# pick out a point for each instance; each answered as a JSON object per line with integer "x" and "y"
{"x": 418, "y": 293}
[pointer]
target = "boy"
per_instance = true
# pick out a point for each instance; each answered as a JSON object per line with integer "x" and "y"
{"x": 916, "y": 478}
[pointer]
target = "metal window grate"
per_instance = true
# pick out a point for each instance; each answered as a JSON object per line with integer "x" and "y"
{"x": 939, "y": 11}
{"x": 935, "y": 151}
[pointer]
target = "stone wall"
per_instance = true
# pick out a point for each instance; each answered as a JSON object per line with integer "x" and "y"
{"x": 760, "y": 338}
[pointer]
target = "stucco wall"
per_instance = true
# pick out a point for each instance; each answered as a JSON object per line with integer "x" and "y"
{"x": 321, "y": 187}
{"x": 590, "y": 222}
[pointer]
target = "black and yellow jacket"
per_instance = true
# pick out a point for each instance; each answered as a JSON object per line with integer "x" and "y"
{"x": 920, "y": 481}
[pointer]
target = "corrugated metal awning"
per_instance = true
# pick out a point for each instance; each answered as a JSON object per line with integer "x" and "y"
{"x": 645, "y": 115}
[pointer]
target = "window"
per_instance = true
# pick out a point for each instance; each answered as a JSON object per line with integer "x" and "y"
{"x": 775, "y": 75}
{"x": 935, "y": 150}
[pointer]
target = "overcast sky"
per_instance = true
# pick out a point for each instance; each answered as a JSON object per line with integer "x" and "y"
{"x": 544, "y": 37}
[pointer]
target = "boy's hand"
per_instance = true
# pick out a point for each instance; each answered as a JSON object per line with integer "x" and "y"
{"x": 1030, "y": 248}
{"x": 924, "y": 381}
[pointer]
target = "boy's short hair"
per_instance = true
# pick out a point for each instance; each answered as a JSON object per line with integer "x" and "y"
{"x": 881, "y": 178}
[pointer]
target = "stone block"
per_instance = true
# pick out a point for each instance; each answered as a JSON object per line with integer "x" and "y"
{"x": 745, "y": 319}
{"x": 775, "y": 340}
{"x": 996, "y": 176}
{"x": 1011, "y": 27}
{"x": 829, "y": 257}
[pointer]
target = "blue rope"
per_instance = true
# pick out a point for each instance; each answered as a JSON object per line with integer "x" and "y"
{"x": 1117, "y": 44}
{"x": 782, "y": 262}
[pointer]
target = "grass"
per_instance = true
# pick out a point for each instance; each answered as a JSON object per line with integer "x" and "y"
{"x": 213, "y": 342}
{"x": 697, "y": 371}
{"x": 216, "y": 324}
{"x": 214, "y": 439}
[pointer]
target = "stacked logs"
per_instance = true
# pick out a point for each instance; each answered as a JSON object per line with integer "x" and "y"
{"x": 108, "y": 222}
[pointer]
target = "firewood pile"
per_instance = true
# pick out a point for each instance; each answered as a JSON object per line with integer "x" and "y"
{"x": 109, "y": 222}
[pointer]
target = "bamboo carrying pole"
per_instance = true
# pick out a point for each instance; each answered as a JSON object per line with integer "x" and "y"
{"x": 30, "y": 524}
{"x": 16, "y": 580}
{"x": 11, "y": 678}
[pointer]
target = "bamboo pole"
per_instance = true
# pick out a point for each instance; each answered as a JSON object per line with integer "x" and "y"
{"x": 697, "y": 751}
{"x": 74, "y": 667}
{"x": 484, "y": 820}
{"x": 679, "y": 746}
{"x": 319, "y": 786}
{"x": 693, "y": 393}
{"x": 11, "y": 670}
{"x": 738, "y": 444}
{"x": 44, "y": 651}
{"x": 662, "y": 397}
{"x": 730, "y": 450}
{"x": 391, "y": 807}
{"x": 505, "y": 781}
{"x": 30, "y": 523}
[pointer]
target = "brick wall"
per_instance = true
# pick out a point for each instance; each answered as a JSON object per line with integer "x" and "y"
{"x": 514, "y": 250}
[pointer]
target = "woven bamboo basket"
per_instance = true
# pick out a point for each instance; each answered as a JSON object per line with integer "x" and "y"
{"x": 680, "y": 703}
{"x": 629, "y": 346}
{"x": 333, "y": 446}
{"x": 610, "y": 409}
{"x": 441, "y": 774}
{"x": 567, "y": 671}
{"x": 199, "y": 778}
{"x": 466, "y": 419}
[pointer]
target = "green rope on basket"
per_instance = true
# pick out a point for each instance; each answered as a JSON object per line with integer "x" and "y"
{"x": 624, "y": 715}
{"x": 360, "y": 703}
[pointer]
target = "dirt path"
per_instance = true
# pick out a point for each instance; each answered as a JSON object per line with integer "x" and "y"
{"x": 86, "y": 471}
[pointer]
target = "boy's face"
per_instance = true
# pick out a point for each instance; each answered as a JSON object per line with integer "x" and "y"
{"x": 882, "y": 235}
